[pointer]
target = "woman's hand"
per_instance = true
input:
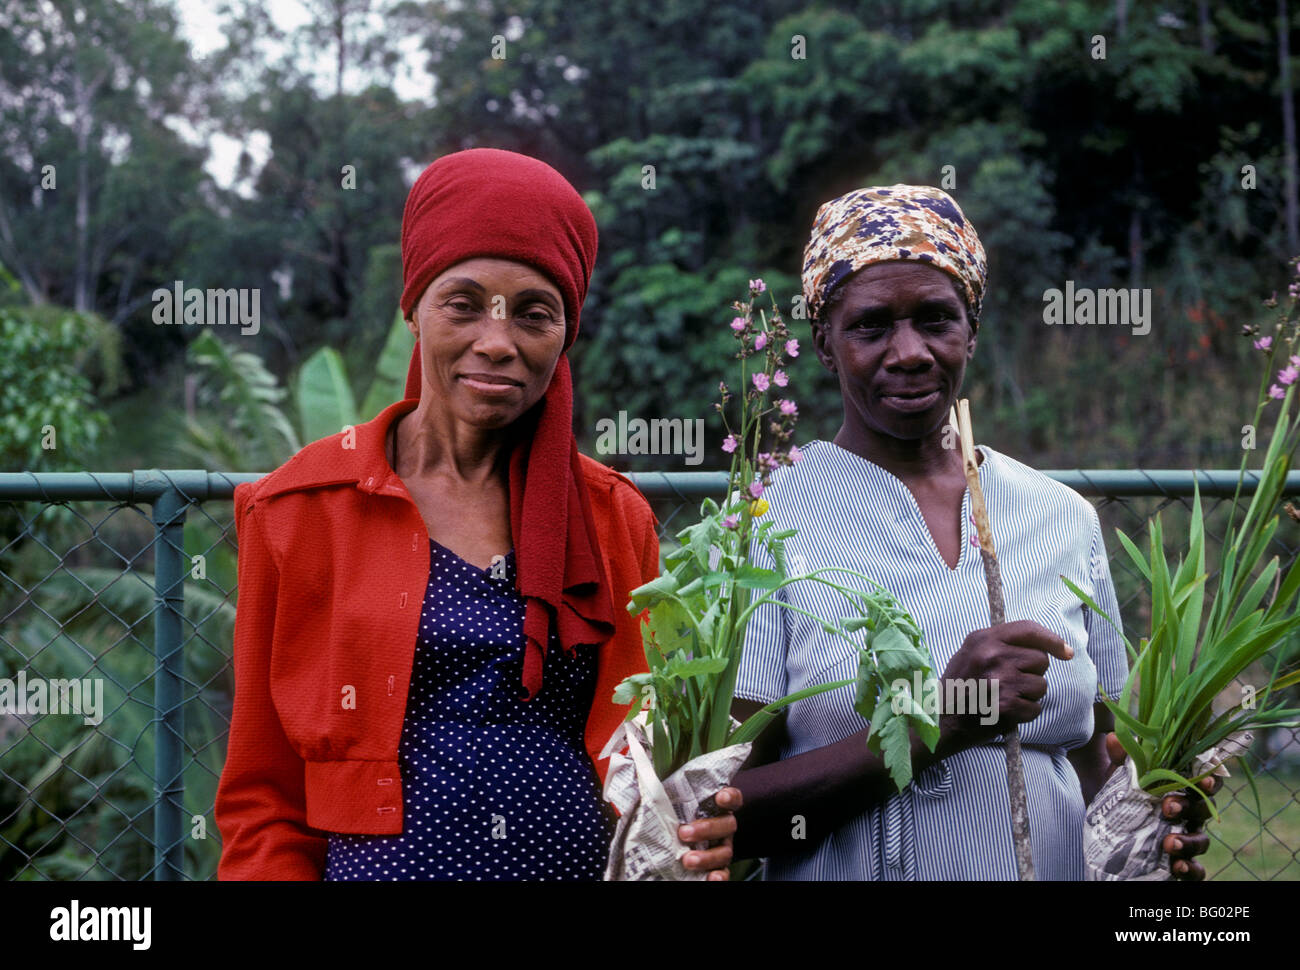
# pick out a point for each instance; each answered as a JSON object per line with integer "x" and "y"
{"x": 1180, "y": 846}
{"x": 1014, "y": 658}
{"x": 718, "y": 832}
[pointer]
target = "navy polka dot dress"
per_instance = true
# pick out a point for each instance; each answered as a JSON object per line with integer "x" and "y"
{"x": 492, "y": 788}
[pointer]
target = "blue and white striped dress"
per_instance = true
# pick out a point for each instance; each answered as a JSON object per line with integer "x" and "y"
{"x": 952, "y": 822}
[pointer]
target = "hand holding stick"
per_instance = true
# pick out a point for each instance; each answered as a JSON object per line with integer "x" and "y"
{"x": 993, "y": 578}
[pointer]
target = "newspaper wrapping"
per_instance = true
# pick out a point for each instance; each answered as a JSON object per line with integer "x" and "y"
{"x": 1124, "y": 827}
{"x": 645, "y": 846}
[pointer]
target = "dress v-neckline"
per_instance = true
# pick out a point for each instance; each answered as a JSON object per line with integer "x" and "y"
{"x": 913, "y": 508}
{"x": 466, "y": 563}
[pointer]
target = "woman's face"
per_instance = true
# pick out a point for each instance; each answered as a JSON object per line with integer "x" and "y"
{"x": 898, "y": 340}
{"x": 491, "y": 332}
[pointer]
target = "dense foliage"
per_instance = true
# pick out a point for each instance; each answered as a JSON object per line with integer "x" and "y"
{"x": 704, "y": 136}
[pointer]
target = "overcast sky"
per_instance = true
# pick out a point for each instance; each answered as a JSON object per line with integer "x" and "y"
{"x": 202, "y": 28}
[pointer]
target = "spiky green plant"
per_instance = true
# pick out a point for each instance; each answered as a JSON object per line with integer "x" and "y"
{"x": 1206, "y": 633}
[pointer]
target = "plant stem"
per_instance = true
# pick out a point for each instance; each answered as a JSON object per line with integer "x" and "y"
{"x": 993, "y": 579}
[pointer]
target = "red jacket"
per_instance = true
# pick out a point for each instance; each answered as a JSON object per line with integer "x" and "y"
{"x": 333, "y": 566}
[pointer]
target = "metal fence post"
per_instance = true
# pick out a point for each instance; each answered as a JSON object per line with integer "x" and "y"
{"x": 169, "y": 670}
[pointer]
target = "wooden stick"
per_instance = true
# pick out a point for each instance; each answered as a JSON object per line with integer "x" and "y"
{"x": 997, "y": 614}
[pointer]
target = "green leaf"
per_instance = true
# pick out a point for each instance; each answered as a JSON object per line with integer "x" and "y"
{"x": 756, "y": 722}
{"x": 1287, "y": 591}
{"x": 631, "y": 688}
{"x": 709, "y": 624}
{"x": 1129, "y": 721}
{"x": 776, "y": 548}
{"x": 894, "y": 743}
{"x": 1091, "y": 604}
{"x": 389, "y": 384}
{"x": 651, "y": 593}
{"x": 752, "y": 577}
{"x": 324, "y": 397}
{"x": 867, "y": 686}
{"x": 1251, "y": 599}
{"x": 682, "y": 668}
{"x": 896, "y": 655}
{"x": 1135, "y": 554}
{"x": 700, "y": 544}
{"x": 670, "y": 626}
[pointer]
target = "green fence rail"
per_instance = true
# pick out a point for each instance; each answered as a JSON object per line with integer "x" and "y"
{"x": 132, "y": 799}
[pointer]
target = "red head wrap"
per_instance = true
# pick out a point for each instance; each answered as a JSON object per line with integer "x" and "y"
{"x": 490, "y": 203}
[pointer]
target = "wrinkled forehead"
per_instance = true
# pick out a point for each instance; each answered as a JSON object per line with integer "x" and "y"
{"x": 899, "y": 283}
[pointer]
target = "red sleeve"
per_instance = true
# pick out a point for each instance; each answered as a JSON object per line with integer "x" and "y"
{"x": 261, "y": 806}
{"x": 630, "y": 535}
{"x": 650, "y": 554}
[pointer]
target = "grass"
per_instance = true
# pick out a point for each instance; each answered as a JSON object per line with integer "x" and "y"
{"x": 1234, "y": 852}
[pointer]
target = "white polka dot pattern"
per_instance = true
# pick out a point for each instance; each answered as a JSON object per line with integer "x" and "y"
{"x": 493, "y": 788}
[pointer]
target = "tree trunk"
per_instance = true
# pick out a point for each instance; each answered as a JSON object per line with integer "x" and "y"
{"x": 80, "y": 282}
{"x": 13, "y": 257}
{"x": 340, "y": 12}
{"x": 1288, "y": 127}
{"x": 1135, "y": 256}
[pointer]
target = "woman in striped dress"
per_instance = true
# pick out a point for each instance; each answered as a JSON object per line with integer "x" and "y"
{"x": 893, "y": 279}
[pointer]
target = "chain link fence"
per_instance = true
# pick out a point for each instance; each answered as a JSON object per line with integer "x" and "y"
{"x": 117, "y": 606}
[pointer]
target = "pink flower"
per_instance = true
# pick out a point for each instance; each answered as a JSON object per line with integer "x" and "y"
{"x": 761, "y": 382}
{"x": 1295, "y": 360}
{"x": 1263, "y": 343}
{"x": 1276, "y": 392}
{"x": 729, "y": 443}
{"x": 756, "y": 488}
{"x": 730, "y": 522}
{"x": 1294, "y": 290}
{"x": 788, "y": 407}
{"x": 779, "y": 378}
{"x": 738, "y": 324}
{"x": 792, "y": 348}
{"x": 974, "y": 539}
{"x": 758, "y": 286}
{"x": 1287, "y": 376}
{"x": 761, "y": 340}
{"x": 794, "y": 454}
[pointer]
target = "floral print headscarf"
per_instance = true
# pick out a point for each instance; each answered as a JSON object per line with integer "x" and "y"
{"x": 884, "y": 223}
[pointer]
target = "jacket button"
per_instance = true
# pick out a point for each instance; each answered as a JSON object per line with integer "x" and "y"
{"x": 402, "y": 603}
{"x": 383, "y": 781}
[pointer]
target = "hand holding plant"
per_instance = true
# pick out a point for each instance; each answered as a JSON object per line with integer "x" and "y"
{"x": 697, "y": 612}
{"x": 1204, "y": 635}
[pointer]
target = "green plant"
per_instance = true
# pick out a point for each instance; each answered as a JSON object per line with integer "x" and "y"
{"x": 258, "y": 433}
{"x": 1201, "y": 639}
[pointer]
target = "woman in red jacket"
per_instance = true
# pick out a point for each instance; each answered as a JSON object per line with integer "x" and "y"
{"x": 431, "y": 620}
